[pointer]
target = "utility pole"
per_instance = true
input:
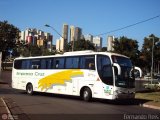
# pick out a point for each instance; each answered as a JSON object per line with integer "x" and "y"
{"x": 152, "y": 59}
{"x": 0, "y": 64}
{"x": 57, "y": 33}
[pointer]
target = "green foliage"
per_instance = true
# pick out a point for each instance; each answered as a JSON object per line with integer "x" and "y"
{"x": 128, "y": 47}
{"x": 27, "y": 50}
{"x": 146, "y": 53}
{"x": 153, "y": 95}
{"x": 80, "y": 45}
{"x": 155, "y": 87}
{"x": 104, "y": 49}
{"x": 8, "y": 35}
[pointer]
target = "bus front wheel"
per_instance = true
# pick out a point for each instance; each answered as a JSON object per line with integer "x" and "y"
{"x": 29, "y": 89}
{"x": 87, "y": 95}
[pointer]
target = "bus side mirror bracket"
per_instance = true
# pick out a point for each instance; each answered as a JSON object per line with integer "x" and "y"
{"x": 139, "y": 70}
{"x": 118, "y": 67}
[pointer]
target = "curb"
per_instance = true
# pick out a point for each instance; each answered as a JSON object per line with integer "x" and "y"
{"x": 13, "y": 111}
{"x": 7, "y": 113}
{"x": 3, "y": 109}
{"x": 151, "y": 106}
{"x": 3, "y": 82}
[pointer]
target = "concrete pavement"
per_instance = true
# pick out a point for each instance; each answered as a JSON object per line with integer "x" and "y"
{"x": 10, "y": 110}
{"x": 5, "y": 77}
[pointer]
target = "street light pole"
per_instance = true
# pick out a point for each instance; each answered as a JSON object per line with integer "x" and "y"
{"x": 72, "y": 45}
{"x": 152, "y": 61}
{"x": 58, "y": 34}
{"x": 53, "y": 29}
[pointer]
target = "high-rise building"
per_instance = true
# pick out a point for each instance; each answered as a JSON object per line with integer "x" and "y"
{"x": 65, "y": 32}
{"x": 72, "y": 32}
{"x": 78, "y": 33}
{"x": 89, "y": 37}
{"x": 49, "y": 45}
{"x": 40, "y": 42}
{"x": 65, "y": 36}
{"x": 97, "y": 42}
{"x": 110, "y": 42}
{"x": 60, "y": 44}
{"x": 26, "y": 34}
{"x": 36, "y": 37}
{"x": 22, "y": 36}
{"x": 63, "y": 43}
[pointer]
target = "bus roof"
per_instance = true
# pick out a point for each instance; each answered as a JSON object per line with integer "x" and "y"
{"x": 75, "y": 53}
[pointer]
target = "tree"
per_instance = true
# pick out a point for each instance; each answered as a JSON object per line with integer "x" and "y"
{"x": 8, "y": 36}
{"x": 146, "y": 52}
{"x": 80, "y": 45}
{"x": 128, "y": 47}
{"x": 104, "y": 49}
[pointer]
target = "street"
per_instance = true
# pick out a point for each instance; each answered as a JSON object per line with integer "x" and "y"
{"x": 62, "y": 107}
{"x": 45, "y": 106}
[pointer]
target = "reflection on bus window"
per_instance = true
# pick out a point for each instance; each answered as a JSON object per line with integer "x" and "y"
{"x": 59, "y": 63}
{"x": 87, "y": 62}
{"x": 105, "y": 69}
{"x": 72, "y": 62}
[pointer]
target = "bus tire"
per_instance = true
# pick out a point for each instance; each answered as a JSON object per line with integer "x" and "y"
{"x": 87, "y": 94}
{"x": 29, "y": 89}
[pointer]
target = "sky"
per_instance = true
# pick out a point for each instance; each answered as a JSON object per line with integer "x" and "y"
{"x": 93, "y": 16}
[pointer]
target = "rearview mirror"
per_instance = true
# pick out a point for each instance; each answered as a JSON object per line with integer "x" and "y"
{"x": 118, "y": 67}
{"x": 139, "y": 70}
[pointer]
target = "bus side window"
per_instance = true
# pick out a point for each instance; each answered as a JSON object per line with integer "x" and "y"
{"x": 87, "y": 62}
{"x": 35, "y": 64}
{"x": 49, "y": 63}
{"x": 59, "y": 63}
{"x": 90, "y": 62}
{"x": 91, "y": 66}
{"x": 72, "y": 63}
{"x": 26, "y": 64}
{"x": 43, "y": 63}
{"x": 18, "y": 64}
{"x": 46, "y": 63}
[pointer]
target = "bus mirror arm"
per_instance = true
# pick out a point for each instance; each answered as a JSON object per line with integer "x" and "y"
{"x": 118, "y": 67}
{"x": 138, "y": 69}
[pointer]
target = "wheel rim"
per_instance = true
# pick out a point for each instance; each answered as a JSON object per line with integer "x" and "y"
{"x": 29, "y": 89}
{"x": 85, "y": 95}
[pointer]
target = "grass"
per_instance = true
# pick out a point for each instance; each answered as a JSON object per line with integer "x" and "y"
{"x": 154, "y": 97}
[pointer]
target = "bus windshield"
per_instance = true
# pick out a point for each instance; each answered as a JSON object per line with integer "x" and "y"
{"x": 126, "y": 79}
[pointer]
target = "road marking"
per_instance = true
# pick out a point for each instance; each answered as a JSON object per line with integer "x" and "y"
{"x": 151, "y": 106}
{"x": 8, "y": 111}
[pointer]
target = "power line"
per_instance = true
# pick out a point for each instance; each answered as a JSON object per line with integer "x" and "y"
{"x": 129, "y": 25}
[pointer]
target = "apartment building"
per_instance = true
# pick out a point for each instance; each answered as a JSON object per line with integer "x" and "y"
{"x": 36, "y": 37}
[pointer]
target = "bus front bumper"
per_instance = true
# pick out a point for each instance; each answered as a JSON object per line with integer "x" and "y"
{"x": 124, "y": 95}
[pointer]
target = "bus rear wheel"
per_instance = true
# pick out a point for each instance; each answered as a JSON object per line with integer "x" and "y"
{"x": 87, "y": 95}
{"x": 29, "y": 89}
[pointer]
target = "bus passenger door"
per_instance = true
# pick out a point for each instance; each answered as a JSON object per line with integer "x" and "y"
{"x": 98, "y": 89}
{"x": 75, "y": 86}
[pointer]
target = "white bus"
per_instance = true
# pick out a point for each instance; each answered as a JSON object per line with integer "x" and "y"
{"x": 83, "y": 73}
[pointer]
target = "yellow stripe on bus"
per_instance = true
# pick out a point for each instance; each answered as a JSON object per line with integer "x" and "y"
{"x": 58, "y": 78}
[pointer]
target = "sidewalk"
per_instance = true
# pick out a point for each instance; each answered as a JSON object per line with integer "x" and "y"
{"x": 3, "y": 109}
{"x": 152, "y": 105}
{"x": 9, "y": 110}
{"x": 152, "y": 97}
{"x": 5, "y": 78}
